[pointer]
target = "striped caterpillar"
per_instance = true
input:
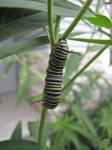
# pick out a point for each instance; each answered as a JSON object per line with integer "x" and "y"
{"x": 54, "y": 77}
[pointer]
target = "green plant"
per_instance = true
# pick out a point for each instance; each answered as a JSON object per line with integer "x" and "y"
{"x": 34, "y": 12}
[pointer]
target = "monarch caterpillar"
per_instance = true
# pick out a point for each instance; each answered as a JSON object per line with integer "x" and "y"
{"x": 54, "y": 77}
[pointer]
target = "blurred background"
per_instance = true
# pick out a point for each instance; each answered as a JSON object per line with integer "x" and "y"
{"x": 17, "y": 83}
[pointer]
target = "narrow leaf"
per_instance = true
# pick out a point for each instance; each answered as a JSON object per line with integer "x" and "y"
{"x": 63, "y": 3}
{"x": 35, "y": 98}
{"x": 77, "y": 33}
{"x": 81, "y": 115}
{"x": 70, "y": 69}
{"x": 23, "y": 80}
{"x": 97, "y": 41}
{"x": 8, "y": 15}
{"x": 100, "y": 20}
{"x": 34, "y": 129}
{"x": 71, "y": 66}
{"x": 23, "y": 25}
{"x": 95, "y": 141}
{"x": 36, "y": 6}
{"x": 22, "y": 46}
{"x": 8, "y": 66}
{"x": 17, "y": 133}
{"x": 18, "y": 145}
{"x": 94, "y": 48}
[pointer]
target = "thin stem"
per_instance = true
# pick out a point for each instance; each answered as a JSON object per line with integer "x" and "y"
{"x": 52, "y": 41}
{"x": 50, "y": 21}
{"x": 41, "y": 127}
{"x": 47, "y": 32}
{"x": 86, "y": 66}
{"x": 98, "y": 6}
{"x": 104, "y": 32}
{"x": 94, "y": 28}
{"x": 57, "y": 27}
{"x": 77, "y": 19}
{"x": 82, "y": 2}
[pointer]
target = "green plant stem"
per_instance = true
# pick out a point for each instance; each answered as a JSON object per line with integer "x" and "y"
{"x": 85, "y": 66}
{"x": 82, "y": 2}
{"x": 46, "y": 32}
{"x": 41, "y": 126}
{"x": 52, "y": 41}
{"x": 57, "y": 27}
{"x": 77, "y": 19}
{"x": 102, "y": 31}
{"x": 50, "y": 21}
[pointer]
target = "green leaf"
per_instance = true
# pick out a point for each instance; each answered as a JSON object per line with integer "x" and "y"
{"x": 37, "y": 6}
{"x": 75, "y": 140}
{"x": 105, "y": 143}
{"x": 71, "y": 66}
{"x": 61, "y": 129}
{"x": 35, "y": 98}
{"x": 106, "y": 120}
{"x": 8, "y": 65}
{"x": 97, "y": 41}
{"x": 17, "y": 133}
{"x": 63, "y": 3}
{"x": 17, "y": 21}
{"x": 77, "y": 33}
{"x": 100, "y": 20}
{"x": 10, "y": 14}
{"x": 33, "y": 80}
{"x": 70, "y": 69}
{"x": 18, "y": 145}
{"x": 85, "y": 92}
{"x": 23, "y": 80}
{"x": 34, "y": 129}
{"x": 81, "y": 115}
{"x": 22, "y": 46}
{"x": 94, "y": 48}
{"x": 23, "y": 25}
{"x": 78, "y": 129}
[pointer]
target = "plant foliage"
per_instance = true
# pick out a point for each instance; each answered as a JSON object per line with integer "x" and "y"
{"x": 77, "y": 127}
